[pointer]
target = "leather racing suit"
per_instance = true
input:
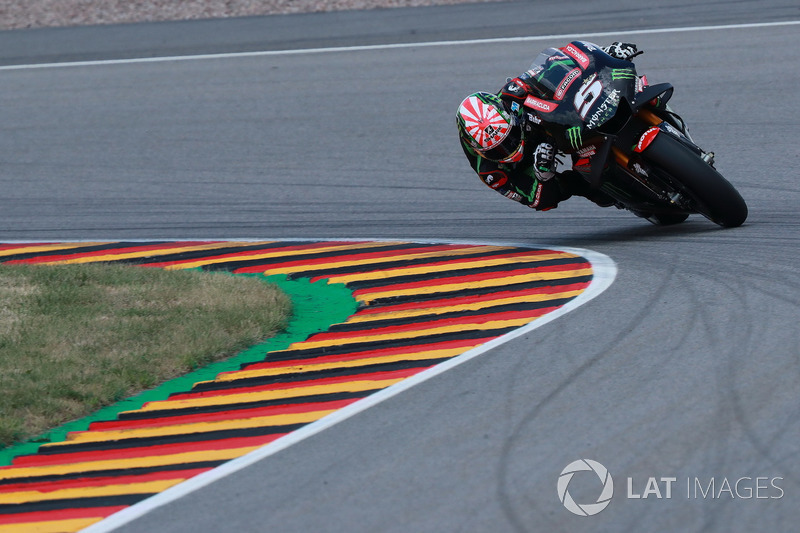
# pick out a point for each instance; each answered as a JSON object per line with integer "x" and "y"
{"x": 534, "y": 181}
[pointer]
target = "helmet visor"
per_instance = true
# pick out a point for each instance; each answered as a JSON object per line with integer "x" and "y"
{"x": 509, "y": 149}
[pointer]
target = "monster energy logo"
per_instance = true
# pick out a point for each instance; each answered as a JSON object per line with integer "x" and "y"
{"x": 574, "y": 137}
{"x": 622, "y": 74}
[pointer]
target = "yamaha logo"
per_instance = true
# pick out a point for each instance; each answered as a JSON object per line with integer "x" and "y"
{"x": 585, "y": 509}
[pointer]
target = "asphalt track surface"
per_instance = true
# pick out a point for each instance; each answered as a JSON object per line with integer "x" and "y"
{"x": 686, "y": 367}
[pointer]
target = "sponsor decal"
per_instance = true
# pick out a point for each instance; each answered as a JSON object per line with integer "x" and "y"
{"x": 540, "y": 105}
{"x": 604, "y": 109}
{"x": 583, "y": 165}
{"x": 514, "y": 106}
{"x": 571, "y": 76}
{"x": 538, "y": 196}
{"x": 646, "y": 139}
{"x": 515, "y": 87}
{"x": 623, "y": 74}
{"x": 639, "y": 169}
{"x": 672, "y": 129}
{"x": 574, "y": 137}
{"x": 587, "y": 151}
{"x": 575, "y": 53}
{"x": 495, "y": 182}
{"x": 513, "y": 196}
{"x": 533, "y": 118}
{"x": 534, "y": 71}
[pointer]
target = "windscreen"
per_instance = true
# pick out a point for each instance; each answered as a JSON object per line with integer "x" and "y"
{"x": 549, "y": 70}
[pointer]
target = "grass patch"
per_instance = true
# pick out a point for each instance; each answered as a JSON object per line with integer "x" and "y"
{"x": 74, "y": 338}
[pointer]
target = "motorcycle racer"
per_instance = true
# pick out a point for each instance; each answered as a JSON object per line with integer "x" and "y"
{"x": 513, "y": 155}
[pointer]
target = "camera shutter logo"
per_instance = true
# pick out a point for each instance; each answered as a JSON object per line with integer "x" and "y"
{"x": 586, "y": 509}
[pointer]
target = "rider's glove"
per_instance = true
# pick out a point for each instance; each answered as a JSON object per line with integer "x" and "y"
{"x": 626, "y": 51}
{"x": 544, "y": 161}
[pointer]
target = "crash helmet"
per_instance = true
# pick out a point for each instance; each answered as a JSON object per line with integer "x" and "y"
{"x": 490, "y": 128}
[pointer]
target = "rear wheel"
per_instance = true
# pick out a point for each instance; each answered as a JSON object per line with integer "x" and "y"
{"x": 713, "y": 196}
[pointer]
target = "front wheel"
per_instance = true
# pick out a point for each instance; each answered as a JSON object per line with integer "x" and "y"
{"x": 713, "y": 196}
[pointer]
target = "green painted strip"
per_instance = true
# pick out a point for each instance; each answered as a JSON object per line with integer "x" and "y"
{"x": 315, "y": 307}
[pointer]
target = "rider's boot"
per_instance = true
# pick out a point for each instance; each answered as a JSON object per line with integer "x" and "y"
{"x": 575, "y": 184}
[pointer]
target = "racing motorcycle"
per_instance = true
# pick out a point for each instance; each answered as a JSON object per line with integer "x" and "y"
{"x": 641, "y": 153}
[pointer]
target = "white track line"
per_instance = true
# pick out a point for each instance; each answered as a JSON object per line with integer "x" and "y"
{"x": 605, "y": 271}
{"x": 561, "y": 37}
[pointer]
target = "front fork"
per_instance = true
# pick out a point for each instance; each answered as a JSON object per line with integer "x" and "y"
{"x": 636, "y": 168}
{"x": 637, "y": 171}
{"x": 607, "y": 148}
{"x": 679, "y": 127}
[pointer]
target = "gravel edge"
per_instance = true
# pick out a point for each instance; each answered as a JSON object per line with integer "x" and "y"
{"x": 19, "y": 14}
